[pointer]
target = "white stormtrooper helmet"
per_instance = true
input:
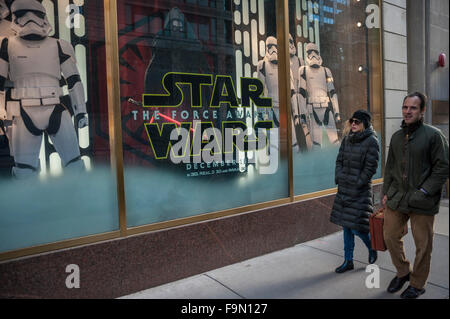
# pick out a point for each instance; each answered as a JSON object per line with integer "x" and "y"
{"x": 29, "y": 18}
{"x": 313, "y": 57}
{"x": 271, "y": 49}
{"x": 4, "y": 11}
{"x": 292, "y": 49}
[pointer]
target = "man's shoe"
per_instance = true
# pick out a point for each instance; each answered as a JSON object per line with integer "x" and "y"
{"x": 412, "y": 293}
{"x": 373, "y": 255}
{"x": 347, "y": 265}
{"x": 397, "y": 283}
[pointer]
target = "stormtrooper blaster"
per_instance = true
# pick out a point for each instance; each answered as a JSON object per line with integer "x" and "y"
{"x": 133, "y": 101}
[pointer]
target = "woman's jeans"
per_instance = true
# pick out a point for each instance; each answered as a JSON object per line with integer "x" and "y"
{"x": 349, "y": 241}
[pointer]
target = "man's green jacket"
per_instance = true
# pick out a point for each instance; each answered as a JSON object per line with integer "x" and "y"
{"x": 416, "y": 169}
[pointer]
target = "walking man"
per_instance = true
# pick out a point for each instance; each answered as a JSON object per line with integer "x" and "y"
{"x": 416, "y": 169}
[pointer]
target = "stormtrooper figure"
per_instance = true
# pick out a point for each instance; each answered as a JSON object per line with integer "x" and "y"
{"x": 317, "y": 98}
{"x": 268, "y": 74}
{"x": 5, "y": 31}
{"x": 267, "y": 70}
{"x": 301, "y": 139}
{"x": 296, "y": 62}
{"x": 34, "y": 63}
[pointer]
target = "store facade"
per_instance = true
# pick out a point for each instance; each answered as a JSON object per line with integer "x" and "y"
{"x": 213, "y": 129}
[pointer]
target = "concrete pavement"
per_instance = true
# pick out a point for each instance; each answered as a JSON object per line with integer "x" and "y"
{"x": 306, "y": 271}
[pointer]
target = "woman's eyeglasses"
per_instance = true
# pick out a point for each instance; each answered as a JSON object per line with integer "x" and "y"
{"x": 357, "y": 122}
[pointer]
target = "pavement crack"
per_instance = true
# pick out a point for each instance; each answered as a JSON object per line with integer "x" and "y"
{"x": 224, "y": 286}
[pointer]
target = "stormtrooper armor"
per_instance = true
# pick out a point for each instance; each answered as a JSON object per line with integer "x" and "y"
{"x": 5, "y": 25}
{"x": 296, "y": 62}
{"x": 30, "y": 61}
{"x": 267, "y": 71}
{"x": 29, "y": 18}
{"x": 317, "y": 98}
{"x": 300, "y": 133}
{"x": 5, "y": 31}
{"x": 268, "y": 74}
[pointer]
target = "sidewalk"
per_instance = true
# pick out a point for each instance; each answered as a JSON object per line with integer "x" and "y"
{"x": 306, "y": 271}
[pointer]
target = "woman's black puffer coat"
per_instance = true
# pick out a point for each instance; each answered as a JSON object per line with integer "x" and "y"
{"x": 356, "y": 163}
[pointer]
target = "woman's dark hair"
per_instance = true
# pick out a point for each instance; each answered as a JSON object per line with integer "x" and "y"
{"x": 421, "y": 96}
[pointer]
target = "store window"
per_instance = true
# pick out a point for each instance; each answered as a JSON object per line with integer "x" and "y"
{"x": 336, "y": 70}
{"x": 55, "y": 115}
{"x": 200, "y": 111}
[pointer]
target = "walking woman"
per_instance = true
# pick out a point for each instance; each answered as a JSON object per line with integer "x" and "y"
{"x": 356, "y": 163}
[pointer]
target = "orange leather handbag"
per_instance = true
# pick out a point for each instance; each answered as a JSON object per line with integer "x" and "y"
{"x": 376, "y": 222}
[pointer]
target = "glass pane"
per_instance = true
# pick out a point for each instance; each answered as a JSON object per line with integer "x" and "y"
{"x": 336, "y": 69}
{"x": 62, "y": 186}
{"x": 192, "y": 97}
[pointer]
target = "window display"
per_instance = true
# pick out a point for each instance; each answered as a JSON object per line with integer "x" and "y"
{"x": 199, "y": 108}
{"x": 341, "y": 74}
{"x": 5, "y": 30}
{"x": 35, "y": 63}
{"x": 301, "y": 139}
{"x": 6, "y": 160}
{"x": 203, "y": 125}
{"x": 319, "y": 106}
{"x": 60, "y": 185}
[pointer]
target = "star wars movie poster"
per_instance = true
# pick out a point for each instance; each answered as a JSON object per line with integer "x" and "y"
{"x": 179, "y": 73}
{"x": 197, "y": 123}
